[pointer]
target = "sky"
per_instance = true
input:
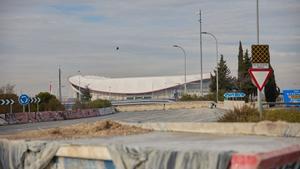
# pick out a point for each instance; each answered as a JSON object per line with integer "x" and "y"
{"x": 37, "y": 37}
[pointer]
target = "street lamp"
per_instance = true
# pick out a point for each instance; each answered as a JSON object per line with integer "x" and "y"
{"x": 217, "y": 58}
{"x": 176, "y": 46}
{"x": 79, "y": 94}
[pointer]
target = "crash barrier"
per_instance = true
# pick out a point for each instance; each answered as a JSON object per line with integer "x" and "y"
{"x": 98, "y": 157}
{"x": 29, "y": 117}
{"x": 286, "y": 158}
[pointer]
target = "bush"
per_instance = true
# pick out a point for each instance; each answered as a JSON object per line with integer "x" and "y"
{"x": 99, "y": 103}
{"x": 243, "y": 114}
{"x": 250, "y": 114}
{"x": 289, "y": 115}
{"x": 194, "y": 97}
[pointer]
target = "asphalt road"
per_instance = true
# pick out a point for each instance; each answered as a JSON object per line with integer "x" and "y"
{"x": 180, "y": 115}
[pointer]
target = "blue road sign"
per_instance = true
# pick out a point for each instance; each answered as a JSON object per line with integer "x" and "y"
{"x": 291, "y": 96}
{"x": 234, "y": 95}
{"x": 24, "y": 99}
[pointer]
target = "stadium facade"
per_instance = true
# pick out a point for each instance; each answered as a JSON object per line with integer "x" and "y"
{"x": 134, "y": 88}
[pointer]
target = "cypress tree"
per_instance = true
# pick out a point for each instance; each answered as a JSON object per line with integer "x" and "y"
{"x": 245, "y": 84}
{"x": 240, "y": 64}
{"x": 271, "y": 90}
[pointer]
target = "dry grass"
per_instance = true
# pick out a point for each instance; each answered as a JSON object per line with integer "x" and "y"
{"x": 99, "y": 128}
{"x": 250, "y": 114}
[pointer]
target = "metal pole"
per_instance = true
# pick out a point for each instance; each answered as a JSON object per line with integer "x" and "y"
{"x": 217, "y": 59}
{"x": 184, "y": 66}
{"x": 23, "y": 108}
{"x": 10, "y": 108}
{"x": 59, "y": 84}
{"x": 79, "y": 94}
{"x": 257, "y": 21}
{"x": 259, "y": 103}
{"x": 201, "y": 67}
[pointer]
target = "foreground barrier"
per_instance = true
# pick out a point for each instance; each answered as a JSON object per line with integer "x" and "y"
{"x": 286, "y": 158}
{"x": 98, "y": 157}
{"x": 29, "y": 117}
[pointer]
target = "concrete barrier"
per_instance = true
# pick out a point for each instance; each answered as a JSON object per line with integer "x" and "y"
{"x": 286, "y": 158}
{"x": 265, "y": 128}
{"x": 29, "y": 117}
{"x": 164, "y": 106}
{"x": 98, "y": 157}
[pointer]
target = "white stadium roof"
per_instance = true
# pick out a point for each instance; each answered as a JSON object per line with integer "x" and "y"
{"x": 132, "y": 85}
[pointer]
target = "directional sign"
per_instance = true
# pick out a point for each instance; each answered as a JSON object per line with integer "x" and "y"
{"x": 291, "y": 96}
{"x": 24, "y": 99}
{"x": 35, "y": 100}
{"x": 6, "y": 102}
{"x": 234, "y": 95}
{"x": 259, "y": 77}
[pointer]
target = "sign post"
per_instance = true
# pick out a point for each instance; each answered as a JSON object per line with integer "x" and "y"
{"x": 260, "y": 71}
{"x": 36, "y": 100}
{"x": 24, "y": 100}
{"x": 5, "y": 102}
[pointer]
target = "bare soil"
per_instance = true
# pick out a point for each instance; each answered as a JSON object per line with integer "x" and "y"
{"x": 99, "y": 128}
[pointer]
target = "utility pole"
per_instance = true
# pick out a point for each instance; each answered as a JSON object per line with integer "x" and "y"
{"x": 59, "y": 84}
{"x": 259, "y": 104}
{"x": 201, "y": 68}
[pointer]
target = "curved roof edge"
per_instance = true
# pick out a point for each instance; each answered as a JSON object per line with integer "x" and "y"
{"x": 132, "y": 85}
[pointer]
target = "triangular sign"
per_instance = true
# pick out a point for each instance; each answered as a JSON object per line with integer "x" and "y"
{"x": 260, "y": 76}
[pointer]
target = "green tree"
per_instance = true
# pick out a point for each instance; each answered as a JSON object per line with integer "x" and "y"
{"x": 240, "y": 65}
{"x": 226, "y": 81}
{"x": 49, "y": 102}
{"x": 86, "y": 95}
{"x": 271, "y": 90}
{"x": 7, "y": 92}
{"x": 245, "y": 80}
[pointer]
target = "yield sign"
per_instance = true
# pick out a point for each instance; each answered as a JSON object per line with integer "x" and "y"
{"x": 260, "y": 76}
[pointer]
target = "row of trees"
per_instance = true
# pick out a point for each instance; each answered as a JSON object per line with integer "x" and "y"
{"x": 48, "y": 102}
{"x": 243, "y": 82}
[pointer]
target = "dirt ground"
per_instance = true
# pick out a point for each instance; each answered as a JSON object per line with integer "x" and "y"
{"x": 96, "y": 129}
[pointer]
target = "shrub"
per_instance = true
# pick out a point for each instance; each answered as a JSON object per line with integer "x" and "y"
{"x": 250, "y": 114}
{"x": 99, "y": 103}
{"x": 243, "y": 114}
{"x": 289, "y": 115}
{"x": 194, "y": 97}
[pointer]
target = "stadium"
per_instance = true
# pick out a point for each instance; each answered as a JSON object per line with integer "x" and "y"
{"x": 135, "y": 88}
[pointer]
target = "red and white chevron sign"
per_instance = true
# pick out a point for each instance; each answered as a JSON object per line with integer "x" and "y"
{"x": 4, "y": 102}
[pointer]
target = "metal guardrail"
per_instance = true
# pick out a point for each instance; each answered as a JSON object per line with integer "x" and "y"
{"x": 282, "y": 104}
{"x": 139, "y": 102}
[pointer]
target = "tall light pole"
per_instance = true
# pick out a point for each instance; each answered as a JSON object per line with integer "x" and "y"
{"x": 79, "y": 93}
{"x": 260, "y": 108}
{"x": 201, "y": 67}
{"x": 217, "y": 59}
{"x": 176, "y": 46}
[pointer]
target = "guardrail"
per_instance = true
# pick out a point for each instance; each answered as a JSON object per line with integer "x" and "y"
{"x": 138, "y": 102}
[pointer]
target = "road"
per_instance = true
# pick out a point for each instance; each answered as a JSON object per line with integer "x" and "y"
{"x": 180, "y": 115}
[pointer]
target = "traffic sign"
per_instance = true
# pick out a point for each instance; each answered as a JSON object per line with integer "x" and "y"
{"x": 291, "y": 96}
{"x": 35, "y": 100}
{"x": 259, "y": 77}
{"x": 24, "y": 99}
{"x": 6, "y": 102}
{"x": 234, "y": 95}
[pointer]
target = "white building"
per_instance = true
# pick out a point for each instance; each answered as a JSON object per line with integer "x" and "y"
{"x": 133, "y": 88}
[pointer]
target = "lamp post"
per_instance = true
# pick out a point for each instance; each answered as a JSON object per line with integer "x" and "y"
{"x": 79, "y": 93}
{"x": 217, "y": 58}
{"x": 176, "y": 46}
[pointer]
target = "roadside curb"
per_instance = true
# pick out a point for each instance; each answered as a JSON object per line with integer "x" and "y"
{"x": 265, "y": 128}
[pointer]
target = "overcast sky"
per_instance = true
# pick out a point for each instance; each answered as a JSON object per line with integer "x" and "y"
{"x": 37, "y": 36}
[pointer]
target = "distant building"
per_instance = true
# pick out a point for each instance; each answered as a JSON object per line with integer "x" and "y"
{"x": 134, "y": 88}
